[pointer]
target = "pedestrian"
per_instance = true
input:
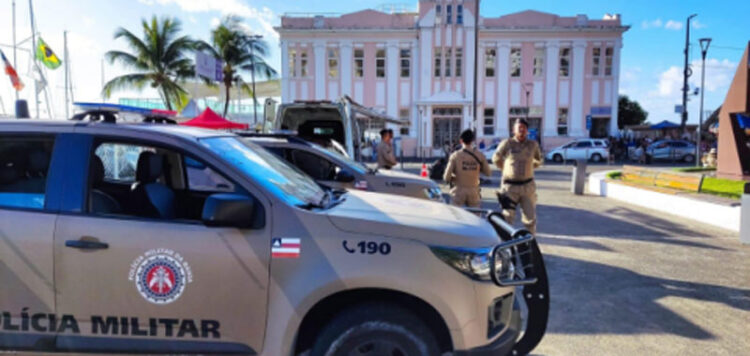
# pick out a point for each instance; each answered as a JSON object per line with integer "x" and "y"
{"x": 386, "y": 157}
{"x": 462, "y": 173}
{"x": 517, "y": 157}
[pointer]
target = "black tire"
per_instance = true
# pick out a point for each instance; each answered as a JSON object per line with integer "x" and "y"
{"x": 688, "y": 158}
{"x": 375, "y": 329}
{"x": 557, "y": 158}
{"x": 596, "y": 158}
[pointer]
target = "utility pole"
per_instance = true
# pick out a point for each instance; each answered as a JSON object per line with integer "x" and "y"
{"x": 705, "y": 43}
{"x": 476, "y": 64}
{"x": 687, "y": 72}
{"x": 67, "y": 78}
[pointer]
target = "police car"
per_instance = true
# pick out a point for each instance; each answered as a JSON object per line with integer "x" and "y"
{"x": 154, "y": 238}
{"x": 330, "y": 167}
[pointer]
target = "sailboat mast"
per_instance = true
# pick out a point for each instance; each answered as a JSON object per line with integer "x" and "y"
{"x": 67, "y": 77}
{"x": 15, "y": 65}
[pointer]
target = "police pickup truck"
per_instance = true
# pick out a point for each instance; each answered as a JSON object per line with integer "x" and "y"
{"x": 155, "y": 238}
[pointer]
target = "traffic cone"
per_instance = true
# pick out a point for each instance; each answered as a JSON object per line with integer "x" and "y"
{"x": 423, "y": 173}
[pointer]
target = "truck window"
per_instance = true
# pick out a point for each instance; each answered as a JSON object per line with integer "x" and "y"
{"x": 24, "y": 164}
{"x": 313, "y": 165}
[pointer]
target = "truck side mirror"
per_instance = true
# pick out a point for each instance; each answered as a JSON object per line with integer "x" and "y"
{"x": 233, "y": 210}
{"x": 344, "y": 176}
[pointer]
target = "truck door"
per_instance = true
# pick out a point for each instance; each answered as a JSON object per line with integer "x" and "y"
{"x": 138, "y": 270}
{"x": 27, "y": 222}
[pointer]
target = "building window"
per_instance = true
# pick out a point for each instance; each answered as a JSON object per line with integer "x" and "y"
{"x": 608, "y": 53}
{"x": 303, "y": 63}
{"x": 448, "y": 53}
{"x": 596, "y": 58}
{"x": 292, "y": 63}
{"x": 562, "y": 122}
{"x": 448, "y": 14}
{"x": 489, "y": 62}
{"x": 459, "y": 14}
{"x": 405, "y": 62}
{"x": 459, "y": 61}
{"x": 333, "y": 63}
{"x": 539, "y": 62}
{"x": 380, "y": 63}
{"x": 565, "y": 62}
{"x": 489, "y": 122}
{"x": 404, "y": 114}
{"x": 438, "y": 15}
{"x": 359, "y": 63}
{"x": 515, "y": 62}
{"x": 438, "y": 63}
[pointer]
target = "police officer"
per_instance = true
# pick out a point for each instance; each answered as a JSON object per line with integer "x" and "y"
{"x": 464, "y": 167}
{"x": 386, "y": 157}
{"x": 517, "y": 157}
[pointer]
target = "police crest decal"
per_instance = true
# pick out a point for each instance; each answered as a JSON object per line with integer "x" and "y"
{"x": 160, "y": 275}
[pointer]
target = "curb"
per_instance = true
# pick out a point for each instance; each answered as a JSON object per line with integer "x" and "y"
{"x": 721, "y": 216}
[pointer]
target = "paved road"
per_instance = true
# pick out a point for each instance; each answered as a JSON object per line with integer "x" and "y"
{"x": 631, "y": 281}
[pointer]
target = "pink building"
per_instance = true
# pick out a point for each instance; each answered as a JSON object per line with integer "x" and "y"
{"x": 560, "y": 72}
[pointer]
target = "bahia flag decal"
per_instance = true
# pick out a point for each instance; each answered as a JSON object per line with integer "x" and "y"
{"x": 284, "y": 247}
{"x": 46, "y": 56}
{"x": 11, "y": 72}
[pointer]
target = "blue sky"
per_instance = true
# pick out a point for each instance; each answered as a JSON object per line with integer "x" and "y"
{"x": 651, "y": 56}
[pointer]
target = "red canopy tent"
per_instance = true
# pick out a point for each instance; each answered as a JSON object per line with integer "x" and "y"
{"x": 210, "y": 120}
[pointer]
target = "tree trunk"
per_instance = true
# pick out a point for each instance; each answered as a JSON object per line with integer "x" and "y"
{"x": 226, "y": 101}
{"x": 165, "y": 97}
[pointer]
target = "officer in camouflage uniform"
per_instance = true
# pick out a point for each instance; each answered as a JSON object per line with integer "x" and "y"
{"x": 517, "y": 157}
{"x": 464, "y": 167}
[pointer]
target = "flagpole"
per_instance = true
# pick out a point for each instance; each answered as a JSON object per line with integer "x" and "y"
{"x": 67, "y": 78}
{"x": 33, "y": 51}
{"x": 15, "y": 65}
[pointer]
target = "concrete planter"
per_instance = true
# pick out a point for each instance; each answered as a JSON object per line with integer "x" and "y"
{"x": 719, "y": 215}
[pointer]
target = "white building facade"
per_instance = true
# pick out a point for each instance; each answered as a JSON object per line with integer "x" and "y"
{"x": 562, "y": 73}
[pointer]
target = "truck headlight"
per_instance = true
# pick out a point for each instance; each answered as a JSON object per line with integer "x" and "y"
{"x": 434, "y": 193}
{"x": 472, "y": 262}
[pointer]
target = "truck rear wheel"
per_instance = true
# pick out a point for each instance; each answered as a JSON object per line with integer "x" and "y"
{"x": 376, "y": 330}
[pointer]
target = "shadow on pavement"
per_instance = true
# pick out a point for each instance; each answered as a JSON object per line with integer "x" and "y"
{"x": 594, "y": 298}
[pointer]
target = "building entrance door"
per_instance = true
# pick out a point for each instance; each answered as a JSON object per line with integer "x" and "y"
{"x": 599, "y": 127}
{"x": 446, "y": 127}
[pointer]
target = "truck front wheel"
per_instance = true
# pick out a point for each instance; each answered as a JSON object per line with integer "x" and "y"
{"x": 375, "y": 329}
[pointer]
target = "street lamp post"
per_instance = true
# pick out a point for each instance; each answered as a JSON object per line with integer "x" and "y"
{"x": 705, "y": 43}
{"x": 527, "y": 87}
{"x": 252, "y": 77}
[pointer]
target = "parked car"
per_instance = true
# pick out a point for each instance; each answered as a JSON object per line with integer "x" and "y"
{"x": 675, "y": 150}
{"x": 330, "y": 167}
{"x": 595, "y": 150}
{"x": 213, "y": 245}
{"x": 489, "y": 151}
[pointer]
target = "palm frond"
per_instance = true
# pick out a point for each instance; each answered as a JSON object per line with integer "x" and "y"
{"x": 128, "y": 81}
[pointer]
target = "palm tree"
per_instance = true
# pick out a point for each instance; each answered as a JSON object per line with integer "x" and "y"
{"x": 159, "y": 59}
{"x": 240, "y": 51}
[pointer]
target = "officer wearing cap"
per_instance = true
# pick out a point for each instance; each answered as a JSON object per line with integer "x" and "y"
{"x": 517, "y": 157}
{"x": 464, "y": 167}
{"x": 386, "y": 157}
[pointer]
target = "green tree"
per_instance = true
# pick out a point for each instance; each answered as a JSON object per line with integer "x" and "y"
{"x": 629, "y": 112}
{"x": 241, "y": 52}
{"x": 159, "y": 59}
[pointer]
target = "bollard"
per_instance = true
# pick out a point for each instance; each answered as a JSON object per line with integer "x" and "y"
{"x": 579, "y": 177}
{"x": 745, "y": 216}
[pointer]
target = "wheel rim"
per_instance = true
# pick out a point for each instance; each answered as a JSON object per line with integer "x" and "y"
{"x": 558, "y": 158}
{"x": 596, "y": 158}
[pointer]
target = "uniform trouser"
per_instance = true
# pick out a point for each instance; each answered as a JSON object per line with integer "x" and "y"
{"x": 525, "y": 196}
{"x": 466, "y": 196}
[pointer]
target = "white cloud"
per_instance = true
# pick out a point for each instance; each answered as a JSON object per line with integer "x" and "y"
{"x": 651, "y": 24}
{"x": 697, "y": 24}
{"x": 673, "y": 25}
{"x": 262, "y": 17}
{"x": 215, "y": 21}
{"x": 719, "y": 74}
{"x": 670, "y": 82}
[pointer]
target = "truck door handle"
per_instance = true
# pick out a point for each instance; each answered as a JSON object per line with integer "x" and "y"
{"x": 86, "y": 245}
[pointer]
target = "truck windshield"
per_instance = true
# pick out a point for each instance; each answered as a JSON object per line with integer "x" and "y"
{"x": 267, "y": 170}
{"x": 332, "y": 152}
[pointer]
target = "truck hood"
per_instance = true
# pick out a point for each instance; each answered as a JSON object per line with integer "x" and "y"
{"x": 410, "y": 218}
{"x": 404, "y": 177}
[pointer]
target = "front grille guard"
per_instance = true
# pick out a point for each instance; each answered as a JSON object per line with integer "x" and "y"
{"x": 532, "y": 277}
{"x": 515, "y": 251}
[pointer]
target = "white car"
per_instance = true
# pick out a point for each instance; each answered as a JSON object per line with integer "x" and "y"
{"x": 489, "y": 151}
{"x": 596, "y": 150}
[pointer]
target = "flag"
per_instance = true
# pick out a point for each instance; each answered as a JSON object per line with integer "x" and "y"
{"x": 11, "y": 72}
{"x": 46, "y": 56}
